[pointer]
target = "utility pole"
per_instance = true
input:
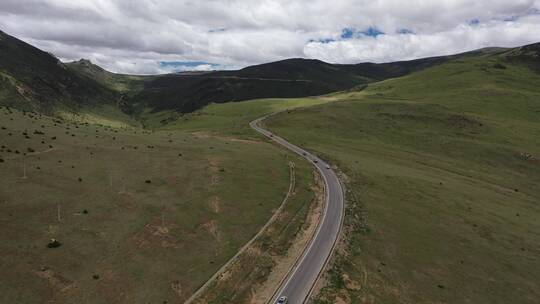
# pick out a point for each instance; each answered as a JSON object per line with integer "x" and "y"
{"x": 24, "y": 169}
{"x": 162, "y": 212}
{"x": 58, "y": 213}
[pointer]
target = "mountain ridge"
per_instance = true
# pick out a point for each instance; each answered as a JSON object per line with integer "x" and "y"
{"x": 33, "y": 79}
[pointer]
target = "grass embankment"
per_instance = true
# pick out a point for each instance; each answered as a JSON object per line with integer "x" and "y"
{"x": 443, "y": 173}
{"x": 142, "y": 216}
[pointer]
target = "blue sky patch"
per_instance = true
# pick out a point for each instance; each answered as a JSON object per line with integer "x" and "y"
{"x": 474, "y": 21}
{"x": 178, "y": 66}
{"x": 372, "y": 32}
{"x": 347, "y": 33}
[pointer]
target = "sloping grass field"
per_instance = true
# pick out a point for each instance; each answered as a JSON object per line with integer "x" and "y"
{"x": 443, "y": 169}
{"x": 141, "y": 216}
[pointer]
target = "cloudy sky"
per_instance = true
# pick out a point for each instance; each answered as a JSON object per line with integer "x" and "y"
{"x": 155, "y": 36}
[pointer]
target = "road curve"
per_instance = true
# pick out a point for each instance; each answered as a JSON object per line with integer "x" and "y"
{"x": 300, "y": 281}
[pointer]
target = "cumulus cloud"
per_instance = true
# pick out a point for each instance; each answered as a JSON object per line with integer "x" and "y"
{"x": 136, "y": 36}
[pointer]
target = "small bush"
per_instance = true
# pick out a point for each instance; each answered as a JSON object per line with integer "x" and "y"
{"x": 54, "y": 244}
{"x": 148, "y": 181}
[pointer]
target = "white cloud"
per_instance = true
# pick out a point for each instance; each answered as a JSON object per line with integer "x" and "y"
{"x": 386, "y": 48}
{"x": 134, "y": 36}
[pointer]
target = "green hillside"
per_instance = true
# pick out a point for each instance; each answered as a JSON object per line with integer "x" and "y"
{"x": 187, "y": 92}
{"x": 32, "y": 79}
{"x": 117, "y": 82}
{"x": 133, "y": 208}
{"x": 442, "y": 168}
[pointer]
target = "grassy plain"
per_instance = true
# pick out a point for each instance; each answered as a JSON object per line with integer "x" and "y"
{"x": 443, "y": 171}
{"x": 142, "y": 216}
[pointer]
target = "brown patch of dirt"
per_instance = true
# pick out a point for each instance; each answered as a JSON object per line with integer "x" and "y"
{"x": 200, "y": 134}
{"x": 212, "y": 228}
{"x": 215, "y": 204}
{"x": 56, "y": 280}
{"x": 245, "y": 141}
{"x": 125, "y": 200}
{"x": 350, "y": 284}
{"x": 25, "y": 92}
{"x": 214, "y": 171}
{"x": 154, "y": 234}
{"x": 177, "y": 288}
{"x": 343, "y": 299}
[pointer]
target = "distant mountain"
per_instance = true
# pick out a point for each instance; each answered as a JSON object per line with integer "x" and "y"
{"x": 281, "y": 79}
{"x": 33, "y": 79}
{"x": 287, "y": 78}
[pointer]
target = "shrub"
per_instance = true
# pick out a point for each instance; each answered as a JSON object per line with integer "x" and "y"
{"x": 54, "y": 243}
{"x": 148, "y": 181}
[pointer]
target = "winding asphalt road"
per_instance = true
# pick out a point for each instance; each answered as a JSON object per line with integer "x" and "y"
{"x": 298, "y": 285}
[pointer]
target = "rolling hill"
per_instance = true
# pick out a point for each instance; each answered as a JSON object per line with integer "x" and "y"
{"x": 442, "y": 171}
{"x": 186, "y": 92}
{"x": 32, "y": 79}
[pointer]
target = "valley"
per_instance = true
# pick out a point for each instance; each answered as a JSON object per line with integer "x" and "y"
{"x": 124, "y": 188}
